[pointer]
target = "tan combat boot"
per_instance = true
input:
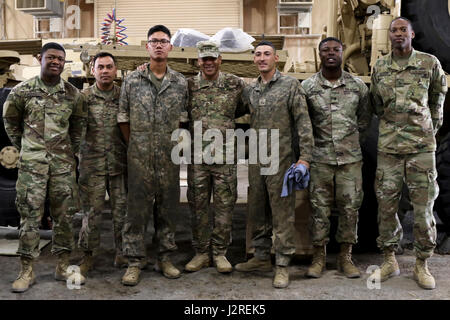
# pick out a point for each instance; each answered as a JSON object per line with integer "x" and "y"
{"x": 345, "y": 263}
{"x": 318, "y": 262}
{"x": 131, "y": 276}
{"x": 254, "y": 264}
{"x": 390, "y": 267}
{"x": 26, "y": 276}
{"x": 61, "y": 272}
{"x": 222, "y": 264}
{"x": 168, "y": 269}
{"x": 120, "y": 261}
{"x": 281, "y": 278}
{"x": 87, "y": 263}
{"x": 199, "y": 261}
{"x": 422, "y": 275}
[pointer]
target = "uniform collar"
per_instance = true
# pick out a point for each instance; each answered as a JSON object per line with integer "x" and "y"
{"x": 59, "y": 87}
{"x": 97, "y": 92}
{"x": 326, "y": 83}
{"x": 412, "y": 61}
{"x": 169, "y": 77}
{"x": 257, "y": 83}
{"x": 219, "y": 82}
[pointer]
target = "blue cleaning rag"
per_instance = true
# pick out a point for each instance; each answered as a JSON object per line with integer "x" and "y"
{"x": 297, "y": 177}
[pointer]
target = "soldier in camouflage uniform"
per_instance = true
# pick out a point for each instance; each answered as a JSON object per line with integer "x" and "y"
{"x": 215, "y": 100}
{"x": 152, "y": 104}
{"x": 408, "y": 91}
{"x": 45, "y": 118}
{"x": 339, "y": 111}
{"x": 102, "y": 161}
{"x": 275, "y": 101}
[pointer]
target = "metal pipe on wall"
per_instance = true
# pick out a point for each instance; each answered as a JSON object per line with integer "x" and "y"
{"x": 78, "y": 30}
{"x": 2, "y": 20}
{"x": 332, "y": 18}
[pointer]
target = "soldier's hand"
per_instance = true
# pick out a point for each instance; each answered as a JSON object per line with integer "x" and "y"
{"x": 142, "y": 67}
{"x": 306, "y": 164}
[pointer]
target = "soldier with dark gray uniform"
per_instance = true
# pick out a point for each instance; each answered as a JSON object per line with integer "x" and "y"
{"x": 102, "y": 162}
{"x": 276, "y": 102}
{"x": 214, "y": 101}
{"x": 45, "y": 118}
{"x": 152, "y": 104}
{"x": 339, "y": 109}
{"x": 408, "y": 90}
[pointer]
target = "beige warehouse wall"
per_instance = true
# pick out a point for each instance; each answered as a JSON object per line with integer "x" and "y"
{"x": 18, "y": 25}
{"x": 261, "y": 17}
{"x": 319, "y": 15}
{"x": 86, "y": 20}
{"x": 207, "y": 16}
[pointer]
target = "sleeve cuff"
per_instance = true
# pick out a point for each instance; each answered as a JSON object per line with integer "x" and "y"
{"x": 122, "y": 117}
{"x": 184, "y": 117}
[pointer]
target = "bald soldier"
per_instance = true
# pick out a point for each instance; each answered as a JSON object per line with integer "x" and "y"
{"x": 408, "y": 91}
{"x": 44, "y": 118}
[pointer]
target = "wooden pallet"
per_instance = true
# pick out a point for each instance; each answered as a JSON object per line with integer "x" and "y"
{"x": 22, "y": 46}
{"x": 181, "y": 59}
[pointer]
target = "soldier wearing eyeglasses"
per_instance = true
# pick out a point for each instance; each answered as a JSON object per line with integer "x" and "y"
{"x": 152, "y": 103}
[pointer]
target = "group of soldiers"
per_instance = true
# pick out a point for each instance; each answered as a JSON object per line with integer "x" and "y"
{"x": 122, "y": 137}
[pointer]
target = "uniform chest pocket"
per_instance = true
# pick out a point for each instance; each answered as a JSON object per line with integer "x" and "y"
{"x": 140, "y": 117}
{"x": 168, "y": 110}
{"x": 419, "y": 82}
{"x": 35, "y": 110}
{"x": 350, "y": 96}
{"x": 318, "y": 106}
{"x": 110, "y": 115}
{"x": 263, "y": 104}
{"x": 60, "y": 113}
{"x": 386, "y": 86}
{"x": 199, "y": 103}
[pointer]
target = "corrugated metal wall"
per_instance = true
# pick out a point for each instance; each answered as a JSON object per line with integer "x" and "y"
{"x": 207, "y": 16}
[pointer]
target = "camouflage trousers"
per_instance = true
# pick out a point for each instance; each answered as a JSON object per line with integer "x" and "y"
{"x": 93, "y": 190}
{"x": 153, "y": 198}
{"x": 221, "y": 181}
{"x": 340, "y": 183}
{"x": 269, "y": 213}
{"x": 32, "y": 190}
{"x": 419, "y": 172}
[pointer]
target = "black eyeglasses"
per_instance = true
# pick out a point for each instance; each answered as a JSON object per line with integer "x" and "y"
{"x": 163, "y": 42}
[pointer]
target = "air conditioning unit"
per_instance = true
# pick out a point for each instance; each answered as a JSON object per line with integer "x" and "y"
{"x": 41, "y": 8}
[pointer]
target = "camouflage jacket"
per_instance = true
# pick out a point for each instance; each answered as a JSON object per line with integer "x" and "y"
{"x": 153, "y": 116}
{"x": 215, "y": 103}
{"x": 103, "y": 151}
{"x": 282, "y": 105}
{"x": 409, "y": 102}
{"x": 46, "y": 126}
{"x": 339, "y": 114}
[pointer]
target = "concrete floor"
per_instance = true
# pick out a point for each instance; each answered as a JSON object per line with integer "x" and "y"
{"x": 104, "y": 282}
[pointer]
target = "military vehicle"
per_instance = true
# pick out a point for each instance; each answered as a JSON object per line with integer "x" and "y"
{"x": 363, "y": 27}
{"x": 8, "y": 154}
